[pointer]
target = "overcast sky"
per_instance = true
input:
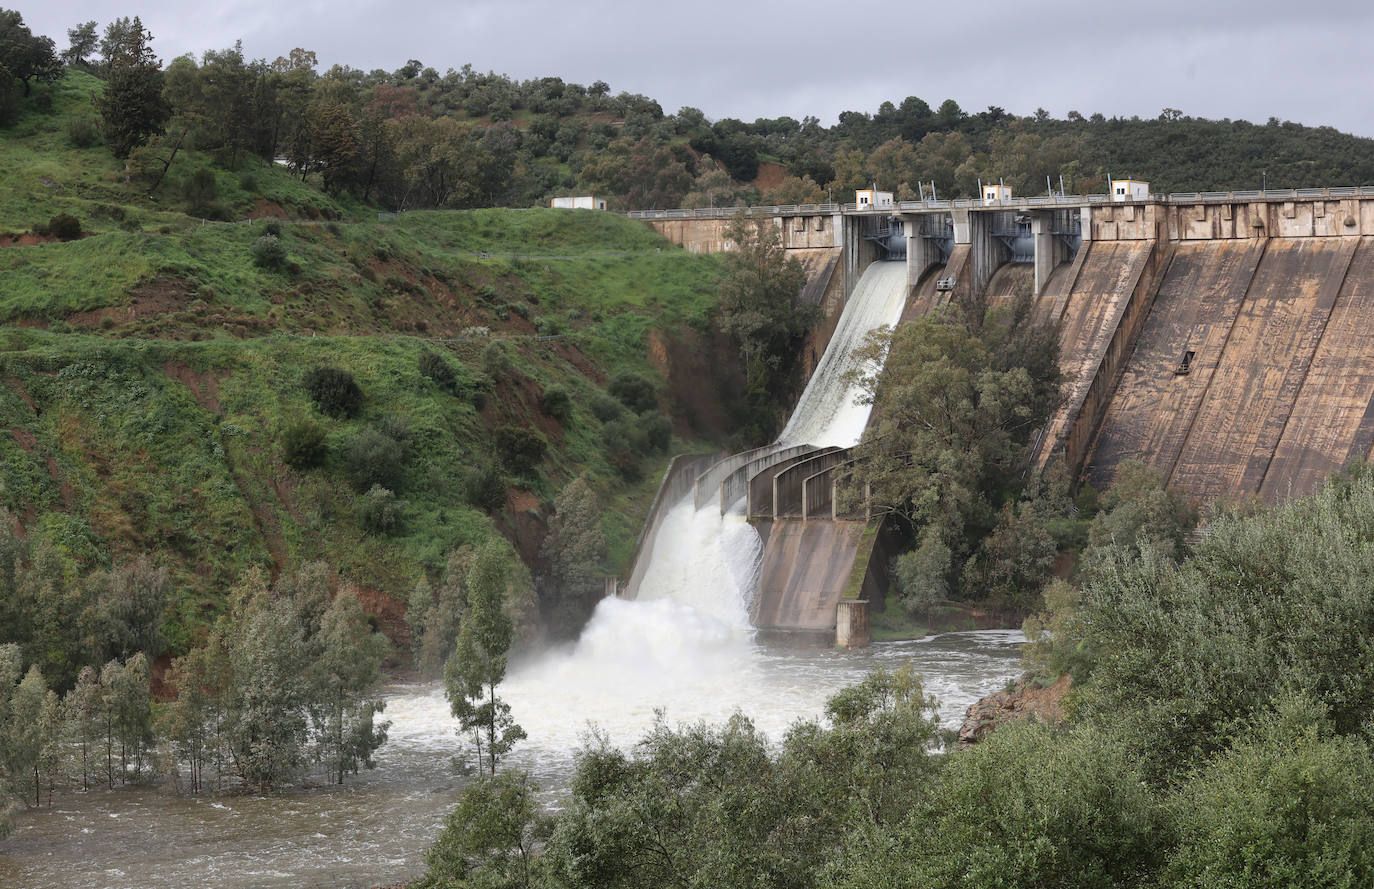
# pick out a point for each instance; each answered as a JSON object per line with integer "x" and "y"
{"x": 1302, "y": 61}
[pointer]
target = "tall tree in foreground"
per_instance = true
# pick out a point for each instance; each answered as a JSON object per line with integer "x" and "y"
{"x": 346, "y": 673}
{"x": 478, "y": 664}
{"x": 132, "y": 107}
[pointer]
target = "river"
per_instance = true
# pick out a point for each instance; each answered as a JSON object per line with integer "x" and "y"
{"x": 684, "y": 646}
{"x": 375, "y": 829}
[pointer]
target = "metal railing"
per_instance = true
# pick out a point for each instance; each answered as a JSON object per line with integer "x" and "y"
{"x": 1054, "y": 200}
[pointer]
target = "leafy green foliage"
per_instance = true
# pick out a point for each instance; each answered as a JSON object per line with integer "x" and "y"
{"x": 557, "y": 403}
{"x": 334, "y": 391}
{"x": 956, "y": 403}
{"x": 268, "y": 253}
{"x": 758, "y": 308}
{"x": 573, "y": 552}
{"x": 379, "y": 512}
{"x": 435, "y": 613}
{"x": 303, "y": 445}
{"x": 283, "y": 673}
{"x": 519, "y": 449}
{"x": 478, "y": 663}
{"x": 633, "y": 391}
{"x": 1026, "y": 807}
{"x": 438, "y": 370}
{"x": 24, "y": 55}
{"x": 491, "y": 837}
{"x": 1289, "y": 804}
{"x": 131, "y": 106}
{"x": 65, "y": 227}
{"x": 375, "y": 460}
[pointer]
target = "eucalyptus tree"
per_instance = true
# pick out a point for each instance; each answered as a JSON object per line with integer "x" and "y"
{"x": 478, "y": 663}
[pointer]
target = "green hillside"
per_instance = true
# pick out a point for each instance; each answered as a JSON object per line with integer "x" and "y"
{"x": 151, "y": 369}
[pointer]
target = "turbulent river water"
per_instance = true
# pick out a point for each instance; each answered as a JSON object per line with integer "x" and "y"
{"x": 684, "y": 647}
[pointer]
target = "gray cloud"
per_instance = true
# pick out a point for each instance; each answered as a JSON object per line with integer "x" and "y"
{"x": 745, "y": 59}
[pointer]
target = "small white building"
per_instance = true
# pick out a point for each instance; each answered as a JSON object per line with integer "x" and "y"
{"x": 1130, "y": 190}
{"x": 996, "y": 194}
{"x": 872, "y": 199}
{"x": 585, "y": 202}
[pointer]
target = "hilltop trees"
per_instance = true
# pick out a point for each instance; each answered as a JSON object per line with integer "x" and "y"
{"x": 132, "y": 106}
{"x": 25, "y": 56}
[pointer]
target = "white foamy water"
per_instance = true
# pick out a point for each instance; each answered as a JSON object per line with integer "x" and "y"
{"x": 685, "y": 646}
{"x": 827, "y": 413}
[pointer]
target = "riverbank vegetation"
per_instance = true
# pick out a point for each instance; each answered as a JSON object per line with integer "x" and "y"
{"x": 1218, "y": 735}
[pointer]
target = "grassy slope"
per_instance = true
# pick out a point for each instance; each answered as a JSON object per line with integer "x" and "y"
{"x": 148, "y": 370}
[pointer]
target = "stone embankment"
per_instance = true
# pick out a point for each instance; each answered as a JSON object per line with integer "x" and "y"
{"x": 1024, "y": 700}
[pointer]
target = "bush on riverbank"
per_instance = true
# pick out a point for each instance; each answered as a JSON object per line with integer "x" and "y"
{"x": 1218, "y": 736}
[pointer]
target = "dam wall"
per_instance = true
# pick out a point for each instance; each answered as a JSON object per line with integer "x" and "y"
{"x": 1250, "y": 371}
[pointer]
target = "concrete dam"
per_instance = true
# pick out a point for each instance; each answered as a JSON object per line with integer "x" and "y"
{"x": 1218, "y": 337}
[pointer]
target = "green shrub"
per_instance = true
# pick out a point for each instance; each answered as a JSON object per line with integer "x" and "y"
{"x": 375, "y": 458}
{"x": 334, "y": 391}
{"x": 557, "y": 403}
{"x": 624, "y": 444}
{"x": 484, "y": 488}
{"x": 200, "y": 190}
{"x": 272, "y": 227}
{"x": 268, "y": 253}
{"x": 656, "y": 431}
{"x": 496, "y": 360}
{"x": 398, "y": 428}
{"x": 379, "y": 512}
{"x": 303, "y": 445}
{"x": 519, "y": 450}
{"x": 248, "y": 181}
{"x": 633, "y": 391}
{"x": 65, "y": 227}
{"x": 440, "y": 371}
{"x": 82, "y": 132}
{"x": 604, "y": 407}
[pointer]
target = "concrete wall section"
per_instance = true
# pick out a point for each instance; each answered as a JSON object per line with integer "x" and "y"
{"x": 986, "y": 252}
{"x": 1010, "y": 281}
{"x": 1255, "y": 387}
{"x": 1333, "y": 419}
{"x": 1193, "y": 311}
{"x": 788, "y": 484}
{"x": 708, "y": 235}
{"x": 735, "y": 484}
{"x": 805, "y": 568}
{"x": 760, "y": 502}
{"x": 1112, "y": 273}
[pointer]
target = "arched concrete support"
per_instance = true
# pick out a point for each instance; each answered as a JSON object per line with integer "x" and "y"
{"x": 819, "y": 494}
{"x": 736, "y": 484}
{"x": 762, "y": 496}
{"x": 789, "y": 485}
{"x": 707, "y": 486}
